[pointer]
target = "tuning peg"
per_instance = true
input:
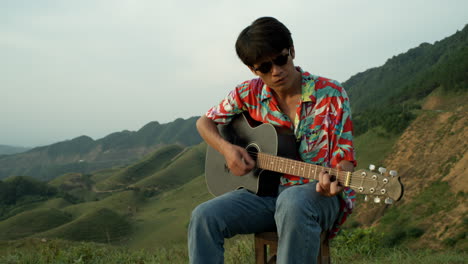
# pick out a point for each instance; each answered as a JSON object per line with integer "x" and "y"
{"x": 366, "y": 198}
{"x": 388, "y": 201}
{"x": 377, "y": 199}
{"x": 372, "y": 167}
{"x": 382, "y": 170}
{"x": 394, "y": 173}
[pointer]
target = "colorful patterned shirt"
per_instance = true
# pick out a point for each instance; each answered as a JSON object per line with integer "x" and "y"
{"x": 322, "y": 125}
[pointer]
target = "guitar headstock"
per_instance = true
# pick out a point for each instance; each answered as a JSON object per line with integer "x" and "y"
{"x": 377, "y": 183}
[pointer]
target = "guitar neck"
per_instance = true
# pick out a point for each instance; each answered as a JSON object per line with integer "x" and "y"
{"x": 298, "y": 168}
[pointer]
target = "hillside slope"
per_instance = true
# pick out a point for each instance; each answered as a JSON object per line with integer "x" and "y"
{"x": 431, "y": 158}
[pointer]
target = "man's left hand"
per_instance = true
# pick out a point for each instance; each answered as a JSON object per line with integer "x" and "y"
{"x": 328, "y": 188}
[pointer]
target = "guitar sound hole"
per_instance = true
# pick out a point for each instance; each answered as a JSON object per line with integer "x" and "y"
{"x": 253, "y": 150}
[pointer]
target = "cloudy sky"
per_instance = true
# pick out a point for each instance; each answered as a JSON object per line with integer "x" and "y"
{"x": 93, "y": 67}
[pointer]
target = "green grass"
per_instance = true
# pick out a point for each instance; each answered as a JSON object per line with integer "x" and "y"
{"x": 101, "y": 175}
{"x": 120, "y": 202}
{"x": 168, "y": 215}
{"x": 373, "y": 146}
{"x": 31, "y": 222}
{"x": 369, "y": 245}
{"x": 57, "y": 203}
{"x": 412, "y": 218}
{"x": 239, "y": 250}
{"x": 102, "y": 225}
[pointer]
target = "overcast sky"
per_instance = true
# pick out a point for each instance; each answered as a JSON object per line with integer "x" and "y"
{"x": 71, "y": 68}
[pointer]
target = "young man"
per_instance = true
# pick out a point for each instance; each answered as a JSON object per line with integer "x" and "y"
{"x": 317, "y": 110}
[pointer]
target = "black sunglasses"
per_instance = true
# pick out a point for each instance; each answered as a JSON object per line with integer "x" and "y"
{"x": 279, "y": 61}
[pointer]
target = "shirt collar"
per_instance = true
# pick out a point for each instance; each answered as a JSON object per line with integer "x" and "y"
{"x": 266, "y": 93}
{"x": 308, "y": 86}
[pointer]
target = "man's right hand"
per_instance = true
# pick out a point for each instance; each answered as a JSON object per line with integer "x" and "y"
{"x": 238, "y": 160}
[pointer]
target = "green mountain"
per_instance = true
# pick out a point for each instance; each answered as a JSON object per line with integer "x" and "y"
{"x": 411, "y": 76}
{"x": 387, "y": 96}
{"x": 83, "y": 154}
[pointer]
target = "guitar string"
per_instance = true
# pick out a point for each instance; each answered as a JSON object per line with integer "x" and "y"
{"x": 341, "y": 174}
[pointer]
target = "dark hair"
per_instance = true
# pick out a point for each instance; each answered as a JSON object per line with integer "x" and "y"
{"x": 265, "y": 37}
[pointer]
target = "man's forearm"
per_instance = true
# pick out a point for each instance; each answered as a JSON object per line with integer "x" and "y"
{"x": 209, "y": 132}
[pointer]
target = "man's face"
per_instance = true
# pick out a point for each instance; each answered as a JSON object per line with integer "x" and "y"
{"x": 278, "y": 71}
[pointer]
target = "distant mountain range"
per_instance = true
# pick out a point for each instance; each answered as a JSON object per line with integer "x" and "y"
{"x": 83, "y": 154}
{"x": 8, "y": 150}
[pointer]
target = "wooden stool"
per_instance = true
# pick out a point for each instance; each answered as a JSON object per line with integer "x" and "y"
{"x": 270, "y": 239}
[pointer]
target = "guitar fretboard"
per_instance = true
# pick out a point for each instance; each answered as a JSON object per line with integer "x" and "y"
{"x": 297, "y": 168}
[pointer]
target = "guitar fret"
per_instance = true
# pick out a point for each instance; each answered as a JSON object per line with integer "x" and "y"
{"x": 272, "y": 162}
{"x": 277, "y": 165}
{"x": 298, "y": 166}
{"x": 294, "y": 167}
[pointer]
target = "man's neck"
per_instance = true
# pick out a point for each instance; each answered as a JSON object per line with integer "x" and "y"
{"x": 294, "y": 90}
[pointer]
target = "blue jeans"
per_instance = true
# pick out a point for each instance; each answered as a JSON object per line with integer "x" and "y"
{"x": 299, "y": 214}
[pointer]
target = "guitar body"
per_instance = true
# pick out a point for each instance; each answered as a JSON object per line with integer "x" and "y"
{"x": 264, "y": 138}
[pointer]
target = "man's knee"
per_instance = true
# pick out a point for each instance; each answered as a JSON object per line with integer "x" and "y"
{"x": 291, "y": 203}
{"x": 202, "y": 215}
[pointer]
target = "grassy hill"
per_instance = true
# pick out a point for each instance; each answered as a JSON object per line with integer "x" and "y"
{"x": 145, "y": 189}
{"x": 191, "y": 160}
{"x": 141, "y": 170}
{"x": 100, "y": 225}
{"x": 436, "y": 197}
{"x": 31, "y": 222}
{"x": 167, "y": 216}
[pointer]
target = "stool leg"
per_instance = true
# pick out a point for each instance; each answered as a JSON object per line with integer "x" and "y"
{"x": 260, "y": 251}
{"x": 266, "y": 246}
{"x": 324, "y": 252}
{"x": 273, "y": 251}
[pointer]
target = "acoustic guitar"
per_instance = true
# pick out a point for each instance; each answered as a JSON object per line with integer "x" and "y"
{"x": 274, "y": 150}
